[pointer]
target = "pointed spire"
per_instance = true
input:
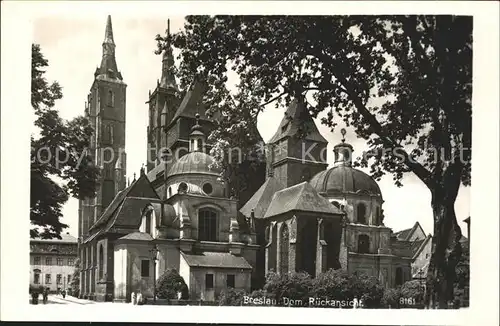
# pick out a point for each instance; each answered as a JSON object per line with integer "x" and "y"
{"x": 143, "y": 171}
{"x": 108, "y": 67}
{"x": 167, "y": 74}
{"x": 108, "y": 34}
{"x": 134, "y": 178}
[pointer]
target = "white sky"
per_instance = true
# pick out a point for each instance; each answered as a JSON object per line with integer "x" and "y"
{"x": 73, "y": 47}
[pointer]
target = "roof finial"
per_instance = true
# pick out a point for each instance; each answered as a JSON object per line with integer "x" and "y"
{"x": 197, "y": 116}
{"x": 343, "y": 132}
{"x": 134, "y": 178}
{"x": 142, "y": 169}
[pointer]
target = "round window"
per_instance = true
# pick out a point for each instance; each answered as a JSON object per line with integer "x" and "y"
{"x": 207, "y": 188}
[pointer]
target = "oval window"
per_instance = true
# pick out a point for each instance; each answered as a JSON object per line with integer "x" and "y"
{"x": 207, "y": 188}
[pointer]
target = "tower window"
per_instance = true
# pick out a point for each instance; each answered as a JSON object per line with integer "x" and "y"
{"x": 284, "y": 246}
{"x": 363, "y": 244}
{"x": 101, "y": 262}
{"x": 361, "y": 213}
{"x": 169, "y": 191}
{"x": 207, "y": 220}
{"x": 111, "y": 98}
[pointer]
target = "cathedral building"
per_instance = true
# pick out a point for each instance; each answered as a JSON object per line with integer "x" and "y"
{"x": 298, "y": 215}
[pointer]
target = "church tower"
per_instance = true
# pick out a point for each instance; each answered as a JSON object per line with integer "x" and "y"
{"x": 163, "y": 103}
{"x": 297, "y": 151}
{"x": 105, "y": 108}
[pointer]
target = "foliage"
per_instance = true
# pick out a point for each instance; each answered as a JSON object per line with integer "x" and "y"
{"x": 169, "y": 284}
{"x": 403, "y": 82}
{"x": 461, "y": 286}
{"x": 231, "y": 297}
{"x": 60, "y": 165}
{"x": 75, "y": 279}
{"x": 294, "y": 286}
{"x": 413, "y": 290}
{"x": 391, "y": 298}
{"x": 338, "y": 285}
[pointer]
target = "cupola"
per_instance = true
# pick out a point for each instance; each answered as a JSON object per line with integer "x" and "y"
{"x": 197, "y": 137}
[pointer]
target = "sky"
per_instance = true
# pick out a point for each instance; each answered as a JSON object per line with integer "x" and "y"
{"x": 72, "y": 46}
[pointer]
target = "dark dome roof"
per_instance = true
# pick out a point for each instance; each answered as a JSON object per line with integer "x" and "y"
{"x": 193, "y": 163}
{"x": 345, "y": 179}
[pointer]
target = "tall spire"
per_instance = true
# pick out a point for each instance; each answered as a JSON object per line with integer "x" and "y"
{"x": 108, "y": 66}
{"x": 108, "y": 35}
{"x": 167, "y": 74}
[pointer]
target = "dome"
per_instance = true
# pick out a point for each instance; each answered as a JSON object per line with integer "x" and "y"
{"x": 194, "y": 163}
{"x": 345, "y": 179}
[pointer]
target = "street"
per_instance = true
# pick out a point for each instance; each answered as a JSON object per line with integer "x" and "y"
{"x": 58, "y": 299}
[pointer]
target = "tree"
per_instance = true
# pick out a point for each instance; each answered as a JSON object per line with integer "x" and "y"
{"x": 75, "y": 279}
{"x": 403, "y": 82}
{"x": 60, "y": 165}
{"x": 169, "y": 284}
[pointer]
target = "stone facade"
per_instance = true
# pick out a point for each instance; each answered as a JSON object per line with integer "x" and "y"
{"x": 52, "y": 262}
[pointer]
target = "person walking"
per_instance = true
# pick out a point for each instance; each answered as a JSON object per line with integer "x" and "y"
{"x": 45, "y": 295}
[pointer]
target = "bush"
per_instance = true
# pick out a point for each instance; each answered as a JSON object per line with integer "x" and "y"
{"x": 294, "y": 286}
{"x": 338, "y": 285}
{"x": 413, "y": 291}
{"x": 169, "y": 284}
{"x": 231, "y": 297}
{"x": 391, "y": 298}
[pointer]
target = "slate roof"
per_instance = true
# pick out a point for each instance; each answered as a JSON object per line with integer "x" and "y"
{"x": 297, "y": 121}
{"x": 141, "y": 236}
{"x": 406, "y": 233}
{"x": 403, "y": 233}
{"x": 65, "y": 238}
{"x": 191, "y": 103}
{"x": 216, "y": 260}
{"x": 139, "y": 188}
{"x": 301, "y": 197}
{"x": 261, "y": 199}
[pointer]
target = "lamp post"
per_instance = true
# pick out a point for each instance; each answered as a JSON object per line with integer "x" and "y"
{"x": 154, "y": 254}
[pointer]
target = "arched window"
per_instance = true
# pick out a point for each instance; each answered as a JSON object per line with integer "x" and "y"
{"x": 284, "y": 245}
{"x": 378, "y": 218}
{"x": 199, "y": 146}
{"x": 399, "y": 276}
{"x": 101, "y": 262}
{"x": 363, "y": 244}
{"x": 110, "y": 134}
{"x": 148, "y": 223}
{"x": 111, "y": 98}
{"x": 192, "y": 145}
{"x": 183, "y": 187}
{"x": 361, "y": 213}
{"x": 207, "y": 225}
